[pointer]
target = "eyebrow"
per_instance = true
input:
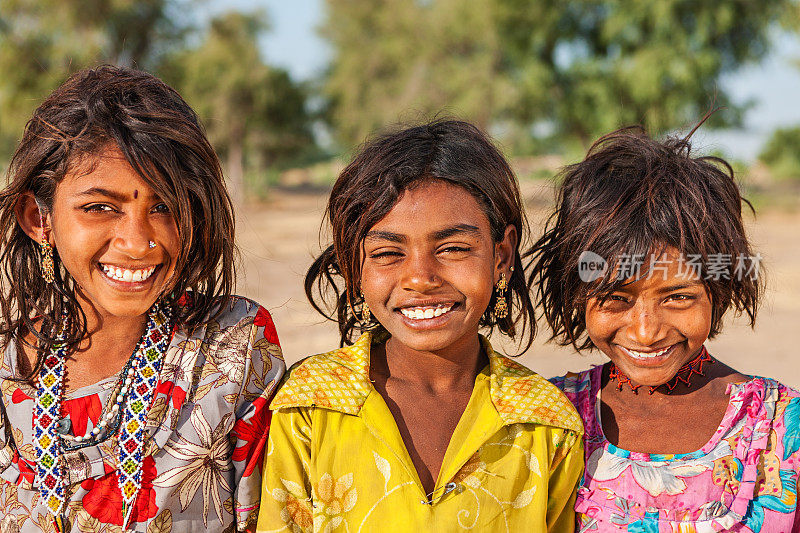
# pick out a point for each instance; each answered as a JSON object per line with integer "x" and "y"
{"x": 456, "y": 230}
{"x": 436, "y": 235}
{"x": 100, "y": 191}
{"x": 680, "y": 286}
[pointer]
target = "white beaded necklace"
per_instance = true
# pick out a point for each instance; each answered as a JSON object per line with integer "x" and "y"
{"x": 127, "y": 416}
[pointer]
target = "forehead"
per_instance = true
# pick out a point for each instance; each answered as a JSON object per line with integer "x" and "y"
{"x": 108, "y": 170}
{"x": 431, "y": 206}
{"x": 657, "y": 271}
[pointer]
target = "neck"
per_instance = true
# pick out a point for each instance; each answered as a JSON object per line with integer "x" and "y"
{"x": 109, "y": 334}
{"x": 453, "y": 367}
{"x": 692, "y": 376}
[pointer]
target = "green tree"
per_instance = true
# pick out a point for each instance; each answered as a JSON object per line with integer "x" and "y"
{"x": 399, "y": 59}
{"x": 615, "y": 62}
{"x": 254, "y": 114}
{"x": 44, "y": 41}
{"x": 583, "y": 67}
{"x": 781, "y": 153}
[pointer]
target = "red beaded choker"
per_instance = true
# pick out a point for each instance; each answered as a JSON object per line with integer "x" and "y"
{"x": 684, "y": 375}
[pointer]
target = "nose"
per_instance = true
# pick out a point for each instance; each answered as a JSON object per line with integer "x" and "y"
{"x": 645, "y": 327}
{"x": 133, "y": 235}
{"x": 421, "y": 273}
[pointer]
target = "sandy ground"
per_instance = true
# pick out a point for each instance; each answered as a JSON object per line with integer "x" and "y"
{"x": 278, "y": 240}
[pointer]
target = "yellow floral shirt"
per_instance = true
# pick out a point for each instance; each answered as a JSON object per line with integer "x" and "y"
{"x": 336, "y": 460}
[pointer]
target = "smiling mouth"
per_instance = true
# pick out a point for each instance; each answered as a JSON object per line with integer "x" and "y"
{"x": 127, "y": 275}
{"x": 426, "y": 312}
{"x": 648, "y": 355}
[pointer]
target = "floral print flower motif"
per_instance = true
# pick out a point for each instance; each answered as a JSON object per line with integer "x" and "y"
{"x": 206, "y": 464}
{"x": 264, "y": 320}
{"x": 103, "y": 499}
{"x": 252, "y": 434}
{"x": 335, "y": 497}
{"x": 81, "y": 410}
{"x": 296, "y": 510}
{"x": 656, "y": 477}
{"x": 26, "y": 471}
{"x": 225, "y": 349}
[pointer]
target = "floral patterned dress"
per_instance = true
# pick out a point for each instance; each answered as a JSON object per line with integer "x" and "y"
{"x": 207, "y": 429}
{"x": 744, "y": 479}
{"x": 337, "y": 461}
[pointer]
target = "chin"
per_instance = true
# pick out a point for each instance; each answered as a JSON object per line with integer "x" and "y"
{"x": 123, "y": 307}
{"x": 421, "y": 343}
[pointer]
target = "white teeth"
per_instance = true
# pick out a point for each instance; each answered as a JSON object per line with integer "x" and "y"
{"x": 124, "y": 274}
{"x": 647, "y": 355}
{"x": 422, "y": 313}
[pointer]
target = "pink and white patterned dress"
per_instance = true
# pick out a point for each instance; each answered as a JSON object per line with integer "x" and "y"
{"x": 744, "y": 479}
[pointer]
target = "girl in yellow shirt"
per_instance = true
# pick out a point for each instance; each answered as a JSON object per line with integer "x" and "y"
{"x": 418, "y": 424}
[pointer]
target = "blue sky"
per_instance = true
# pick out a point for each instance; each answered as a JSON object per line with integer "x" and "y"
{"x": 773, "y": 86}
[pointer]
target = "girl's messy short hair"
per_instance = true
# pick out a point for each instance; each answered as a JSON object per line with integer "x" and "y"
{"x": 162, "y": 139}
{"x": 452, "y": 151}
{"x": 627, "y": 201}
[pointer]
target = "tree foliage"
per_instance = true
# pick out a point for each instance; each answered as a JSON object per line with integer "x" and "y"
{"x": 396, "y": 59}
{"x": 44, "y": 41}
{"x": 582, "y": 66}
{"x": 254, "y": 114}
{"x": 781, "y": 153}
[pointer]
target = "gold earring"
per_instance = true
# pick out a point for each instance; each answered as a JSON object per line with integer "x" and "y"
{"x": 500, "y": 305}
{"x": 365, "y": 314}
{"x": 48, "y": 267}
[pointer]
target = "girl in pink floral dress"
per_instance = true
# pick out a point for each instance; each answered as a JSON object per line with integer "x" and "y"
{"x": 641, "y": 260}
{"x": 133, "y": 386}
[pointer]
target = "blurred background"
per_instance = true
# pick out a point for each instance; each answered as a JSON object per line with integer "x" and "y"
{"x": 288, "y": 90}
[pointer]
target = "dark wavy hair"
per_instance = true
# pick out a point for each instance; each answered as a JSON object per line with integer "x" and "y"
{"x": 633, "y": 195}
{"x": 369, "y": 187}
{"x": 162, "y": 139}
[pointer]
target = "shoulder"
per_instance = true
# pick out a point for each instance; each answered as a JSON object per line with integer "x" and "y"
{"x": 575, "y": 382}
{"x": 761, "y": 389}
{"x": 522, "y": 395}
{"x": 238, "y": 308}
{"x": 337, "y": 380}
{"x": 231, "y": 315}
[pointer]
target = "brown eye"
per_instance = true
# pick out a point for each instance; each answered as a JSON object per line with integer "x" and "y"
{"x": 97, "y": 208}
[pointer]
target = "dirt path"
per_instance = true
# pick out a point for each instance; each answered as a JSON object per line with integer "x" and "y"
{"x": 278, "y": 240}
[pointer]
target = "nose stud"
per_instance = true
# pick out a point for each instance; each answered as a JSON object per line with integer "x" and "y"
{"x": 151, "y": 244}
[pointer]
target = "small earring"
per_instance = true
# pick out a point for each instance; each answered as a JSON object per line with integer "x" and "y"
{"x": 500, "y": 305}
{"x": 151, "y": 244}
{"x": 365, "y": 314}
{"x": 48, "y": 267}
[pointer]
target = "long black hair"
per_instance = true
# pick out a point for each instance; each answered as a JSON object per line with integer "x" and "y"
{"x": 162, "y": 139}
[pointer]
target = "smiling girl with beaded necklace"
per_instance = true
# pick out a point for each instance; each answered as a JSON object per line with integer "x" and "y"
{"x": 134, "y": 385}
{"x": 644, "y": 255}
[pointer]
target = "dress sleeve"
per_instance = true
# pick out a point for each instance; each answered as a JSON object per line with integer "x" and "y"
{"x": 566, "y": 472}
{"x": 264, "y": 367}
{"x": 286, "y": 493}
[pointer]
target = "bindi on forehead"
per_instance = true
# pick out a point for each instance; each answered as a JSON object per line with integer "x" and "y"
{"x": 135, "y": 194}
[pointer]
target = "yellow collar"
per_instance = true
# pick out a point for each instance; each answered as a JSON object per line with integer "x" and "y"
{"x": 339, "y": 380}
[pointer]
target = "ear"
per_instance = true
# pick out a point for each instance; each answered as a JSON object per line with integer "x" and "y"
{"x": 505, "y": 253}
{"x": 33, "y": 221}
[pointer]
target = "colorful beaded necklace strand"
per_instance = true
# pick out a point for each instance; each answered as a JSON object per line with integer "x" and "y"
{"x": 684, "y": 375}
{"x": 49, "y": 443}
